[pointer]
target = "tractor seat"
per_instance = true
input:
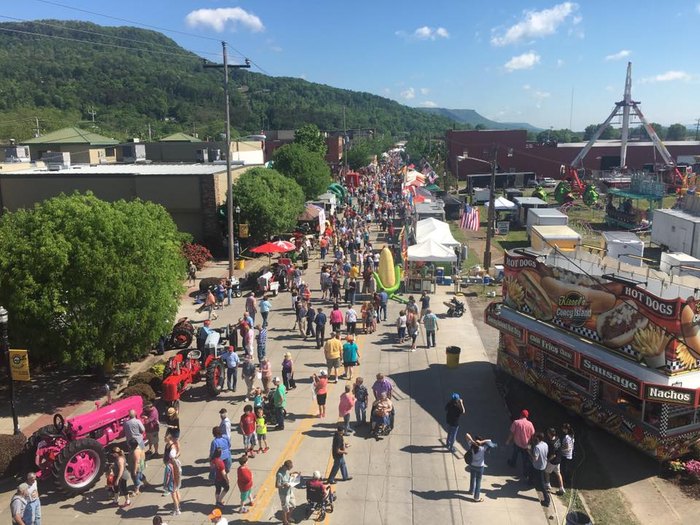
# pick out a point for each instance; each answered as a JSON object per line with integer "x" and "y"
{"x": 194, "y": 354}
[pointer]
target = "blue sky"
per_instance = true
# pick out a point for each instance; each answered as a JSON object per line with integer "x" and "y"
{"x": 509, "y": 60}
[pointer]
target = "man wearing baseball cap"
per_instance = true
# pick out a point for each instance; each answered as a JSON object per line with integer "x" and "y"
{"x": 217, "y": 518}
{"x": 521, "y": 431}
{"x": 454, "y": 409}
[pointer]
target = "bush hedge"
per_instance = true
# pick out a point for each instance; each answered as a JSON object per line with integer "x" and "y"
{"x": 196, "y": 253}
{"x": 12, "y": 454}
{"x": 147, "y": 378}
{"x": 143, "y": 390}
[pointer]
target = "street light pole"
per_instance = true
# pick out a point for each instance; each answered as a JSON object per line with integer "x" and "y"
{"x": 4, "y": 320}
{"x": 492, "y": 199}
{"x": 229, "y": 175}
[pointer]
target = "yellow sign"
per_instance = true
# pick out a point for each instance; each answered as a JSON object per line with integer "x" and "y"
{"x": 242, "y": 231}
{"x": 19, "y": 365}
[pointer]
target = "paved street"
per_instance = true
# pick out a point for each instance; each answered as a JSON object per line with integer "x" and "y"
{"x": 408, "y": 477}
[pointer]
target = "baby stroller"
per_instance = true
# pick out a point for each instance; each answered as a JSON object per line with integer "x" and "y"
{"x": 319, "y": 498}
{"x": 269, "y": 409}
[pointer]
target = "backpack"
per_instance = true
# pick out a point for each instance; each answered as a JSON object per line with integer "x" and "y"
{"x": 469, "y": 456}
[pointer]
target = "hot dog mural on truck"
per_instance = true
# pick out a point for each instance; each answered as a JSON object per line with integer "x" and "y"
{"x": 611, "y": 351}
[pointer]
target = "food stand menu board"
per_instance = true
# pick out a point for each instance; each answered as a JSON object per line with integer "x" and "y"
{"x": 661, "y": 333}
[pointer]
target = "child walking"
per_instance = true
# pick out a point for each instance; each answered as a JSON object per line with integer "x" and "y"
{"x": 245, "y": 484}
{"x": 247, "y": 426}
{"x": 261, "y": 429}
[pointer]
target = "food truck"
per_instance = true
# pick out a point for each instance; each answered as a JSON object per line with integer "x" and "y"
{"x": 621, "y": 352}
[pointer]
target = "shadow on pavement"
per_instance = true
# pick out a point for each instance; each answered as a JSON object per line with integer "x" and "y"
{"x": 441, "y": 495}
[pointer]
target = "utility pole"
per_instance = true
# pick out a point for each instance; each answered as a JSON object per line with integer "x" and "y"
{"x": 697, "y": 128}
{"x": 150, "y": 136}
{"x": 229, "y": 176}
{"x": 492, "y": 204}
{"x": 92, "y": 113}
{"x": 37, "y": 130}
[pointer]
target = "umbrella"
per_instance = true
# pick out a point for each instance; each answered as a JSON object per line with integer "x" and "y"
{"x": 274, "y": 247}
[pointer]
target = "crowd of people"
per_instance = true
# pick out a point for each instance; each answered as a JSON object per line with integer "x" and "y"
{"x": 333, "y": 322}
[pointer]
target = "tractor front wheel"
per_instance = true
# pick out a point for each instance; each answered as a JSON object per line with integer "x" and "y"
{"x": 79, "y": 465}
{"x": 180, "y": 338}
{"x": 215, "y": 377}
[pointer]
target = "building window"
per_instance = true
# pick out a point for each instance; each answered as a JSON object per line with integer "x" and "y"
{"x": 109, "y": 152}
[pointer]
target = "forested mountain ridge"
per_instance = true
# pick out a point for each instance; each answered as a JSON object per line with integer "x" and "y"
{"x": 128, "y": 78}
{"x": 472, "y": 118}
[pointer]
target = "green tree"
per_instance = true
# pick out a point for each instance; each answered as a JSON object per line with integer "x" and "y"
{"x": 362, "y": 150}
{"x": 609, "y": 133}
{"x": 676, "y": 132}
{"x": 311, "y": 138}
{"x": 269, "y": 201}
{"x": 306, "y": 167}
{"x": 86, "y": 280}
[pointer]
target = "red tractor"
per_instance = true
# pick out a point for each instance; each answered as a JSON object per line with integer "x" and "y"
{"x": 189, "y": 366}
{"x": 71, "y": 451}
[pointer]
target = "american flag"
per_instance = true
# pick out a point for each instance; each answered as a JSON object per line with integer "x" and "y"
{"x": 470, "y": 218}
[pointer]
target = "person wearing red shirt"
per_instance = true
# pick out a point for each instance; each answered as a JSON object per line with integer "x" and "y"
{"x": 221, "y": 483}
{"x": 245, "y": 484}
{"x": 521, "y": 431}
{"x": 247, "y": 426}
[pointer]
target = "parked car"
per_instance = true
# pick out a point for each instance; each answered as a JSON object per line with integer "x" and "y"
{"x": 548, "y": 182}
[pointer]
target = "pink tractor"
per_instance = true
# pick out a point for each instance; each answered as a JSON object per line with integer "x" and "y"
{"x": 72, "y": 451}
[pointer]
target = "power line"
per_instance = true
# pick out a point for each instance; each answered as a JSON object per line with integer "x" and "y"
{"x": 105, "y": 44}
{"x": 174, "y": 31}
{"x": 128, "y": 21}
{"x": 104, "y": 35}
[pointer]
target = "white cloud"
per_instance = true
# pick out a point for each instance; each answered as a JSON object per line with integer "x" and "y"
{"x": 525, "y": 61}
{"x": 425, "y": 33}
{"x": 428, "y": 104}
{"x": 424, "y": 91}
{"x": 219, "y": 18}
{"x": 560, "y": 62}
{"x": 408, "y": 94}
{"x": 537, "y": 24}
{"x": 539, "y": 97}
{"x": 624, "y": 53}
{"x": 386, "y": 90}
{"x": 668, "y": 76}
{"x": 697, "y": 8}
{"x": 526, "y": 87}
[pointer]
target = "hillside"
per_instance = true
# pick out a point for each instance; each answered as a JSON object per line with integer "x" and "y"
{"x": 131, "y": 78}
{"x": 471, "y": 117}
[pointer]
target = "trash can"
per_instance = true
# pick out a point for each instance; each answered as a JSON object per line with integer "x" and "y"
{"x": 453, "y": 356}
{"x": 439, "y": 275}
{"x": 239, "y": 264}
{"x": 577, "y": 518}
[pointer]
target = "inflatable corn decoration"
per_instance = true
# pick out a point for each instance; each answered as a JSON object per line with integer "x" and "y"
{"x": 388, "y": 275}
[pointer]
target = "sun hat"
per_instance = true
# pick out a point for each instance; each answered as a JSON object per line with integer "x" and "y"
{"x": 316, "y": 474}
{"x": 171, "y": 411}
{"x": 215, "y": 514}
{"x": 287, "y": 355}
{"x": 275, "y": 379}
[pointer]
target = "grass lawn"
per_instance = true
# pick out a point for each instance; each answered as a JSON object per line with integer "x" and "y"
{"x": 473, "y": 258}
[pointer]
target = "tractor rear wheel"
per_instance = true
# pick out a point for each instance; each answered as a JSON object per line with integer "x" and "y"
{"x": 180, "y": 338}
{"x": 79, "y": 465}
{"x": 215, "y": 377}
{"x": 33, "y": 442}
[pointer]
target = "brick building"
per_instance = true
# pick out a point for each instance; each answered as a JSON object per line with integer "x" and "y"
{"x": 516, "y": 154}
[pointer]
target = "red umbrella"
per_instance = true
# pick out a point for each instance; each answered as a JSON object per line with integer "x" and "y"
{"x": 274, "y": 247}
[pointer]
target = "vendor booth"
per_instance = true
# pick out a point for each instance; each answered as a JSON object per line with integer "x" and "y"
{"x": 605, "y": 347}
{"x": 436, "y": 230}
{"x": 420, "y": 269}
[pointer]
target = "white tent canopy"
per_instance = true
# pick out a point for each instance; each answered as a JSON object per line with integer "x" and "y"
{"x": 431, "y": 250}
{"x": 502, "y": 204}
{"x": 437, "y": 230}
